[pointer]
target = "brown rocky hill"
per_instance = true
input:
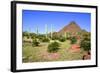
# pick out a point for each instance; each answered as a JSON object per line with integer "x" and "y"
{"x": 72, "y": 27}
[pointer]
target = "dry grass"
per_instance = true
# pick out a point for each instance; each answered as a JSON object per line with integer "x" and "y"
{"x": 40, "y": 54}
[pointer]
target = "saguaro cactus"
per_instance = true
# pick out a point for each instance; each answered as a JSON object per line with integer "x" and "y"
{"x": 37, "y": 32}
{"x": 51, "y": 30}
{"x": 46, "y": 30}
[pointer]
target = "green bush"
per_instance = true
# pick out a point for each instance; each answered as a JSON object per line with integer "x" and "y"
{"x": 53, "y": 47}
{"x": 62, "y": 39}
{"x": 86, "y": 45}
{"x": 86, "y": 42}
{"x": 54, "y": 38}
{"x": 73, "y": 40}
{"x": 35, "y": 42}
{"x": 45, "y": 40}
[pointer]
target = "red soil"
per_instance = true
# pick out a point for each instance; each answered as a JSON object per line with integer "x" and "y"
{"x": 75, "y": 48}
{"x": 50, "y": 56}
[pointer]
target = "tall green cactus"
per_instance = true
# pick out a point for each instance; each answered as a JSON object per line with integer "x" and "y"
{"x": 51, "y": 30}
{"x": 46, "y": 31}
{"x": 37, "y": 32}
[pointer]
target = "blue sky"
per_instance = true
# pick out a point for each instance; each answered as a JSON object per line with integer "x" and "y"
{"x": 32, "y": 19}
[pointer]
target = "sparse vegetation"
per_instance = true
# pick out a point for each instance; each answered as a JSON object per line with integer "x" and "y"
{"x": 41, "y": 47}
{"x": 53, "y": 47}
{"x": 62, "y": 39}
{"x": 35, "y": 43}
{"x": 73, "y": 40}
{"x": 45, "y": 39}
{"x": 86, "y": 42}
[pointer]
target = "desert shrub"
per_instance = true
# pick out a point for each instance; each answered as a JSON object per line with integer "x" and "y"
{"x": 86, "y": 42}
{"x": 55, "y": 38}
{"x": 45, "y": 39}
{"x": 35, "y": 42}
{"x": 53, "y": 47}
{"x": 73, "y": 40}
{"x": 33, "y": 35}
{"x": 25, "y": 33}
{"x": 68, "y": 35}
{"x": 41, "y": 37}
{"x": 62, "y": 39}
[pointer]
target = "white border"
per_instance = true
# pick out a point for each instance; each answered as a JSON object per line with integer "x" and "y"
{"x": 37, "y": 65}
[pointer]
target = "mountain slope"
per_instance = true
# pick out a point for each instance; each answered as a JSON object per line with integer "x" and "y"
{"x": 72, "y": 27}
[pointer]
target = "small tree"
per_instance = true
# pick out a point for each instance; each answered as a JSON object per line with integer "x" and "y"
{"x": 53, "y": 47}
{"x": 86, "y": 42}
{"x": 33, "y": 35}
{"x": 45, "y": 39}
{"x": 68, "y": 35}
{"x": 62, "y": 39}
{"x": 35, "y": 42}
{"x": 41, "y": 37}
{"x": 55, "y": 36}
{"x": 73, "y": 40}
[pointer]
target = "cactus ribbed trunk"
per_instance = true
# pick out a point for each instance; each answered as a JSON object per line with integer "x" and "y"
{"x": 37, "y": 31}
{"x": 51, "y": 30}
{"x": 46, "y": 31}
